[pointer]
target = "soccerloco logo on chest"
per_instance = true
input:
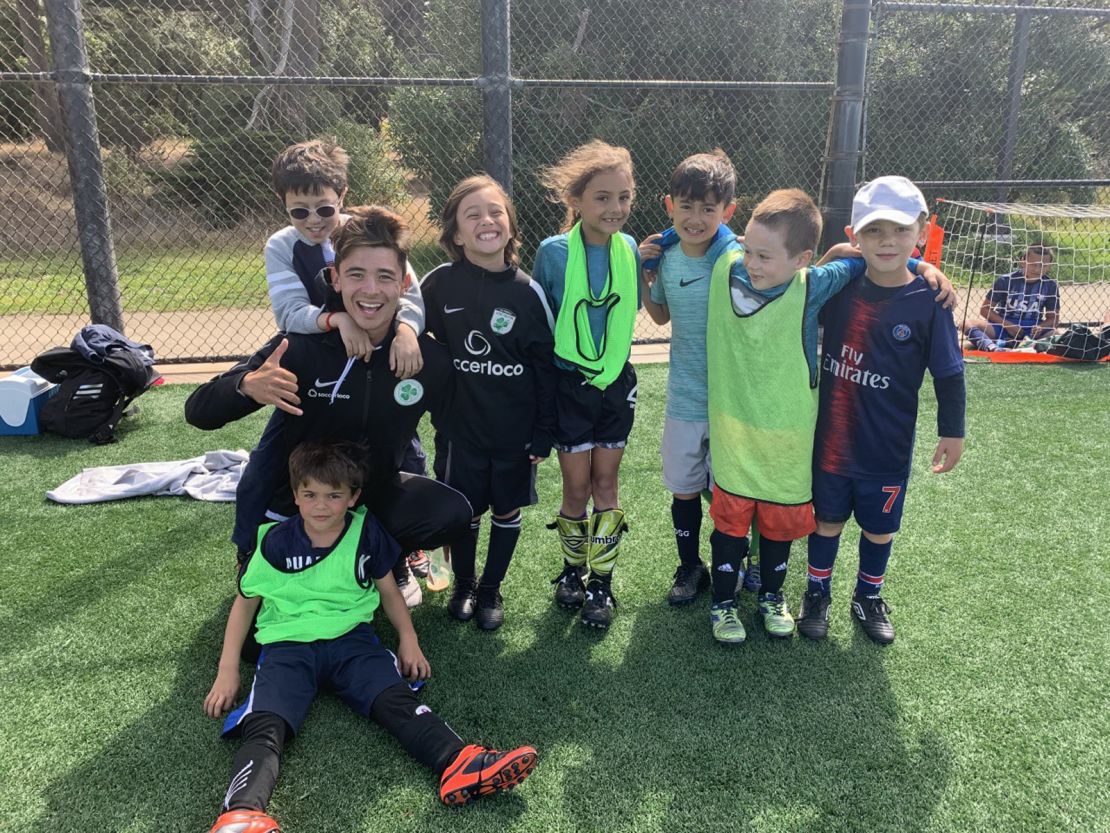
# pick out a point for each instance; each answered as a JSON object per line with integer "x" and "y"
{"x": 502, "y": 320}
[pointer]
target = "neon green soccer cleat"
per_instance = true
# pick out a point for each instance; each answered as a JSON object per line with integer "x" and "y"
{"x": 727, "y": 627}
{"x": 777, "y": 620}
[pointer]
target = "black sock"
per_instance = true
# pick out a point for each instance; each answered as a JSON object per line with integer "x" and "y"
{"x": 728, "y": 555}
{"x": 254, "y": 770}
{"x": 422, "y": 732}
{"x": 463, "y": 551}
{"x": 503, "y": 535}
{"x": 686, "y": 515}
{"x": 773, "y": 556}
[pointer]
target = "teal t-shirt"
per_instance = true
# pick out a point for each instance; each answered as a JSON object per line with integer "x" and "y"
{"x": 683, "y": 285}
{"x": 549, "y": 271}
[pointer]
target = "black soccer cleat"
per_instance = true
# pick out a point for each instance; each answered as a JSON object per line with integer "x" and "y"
{"x": 813, "y": 615}
{"x": 871, "y": 612}
{"x": 464, "y": 598}
{"x": 689, "y": 581}
{"x": 597, "y": 612}
{"x": 490, "y": 613}
{"x": 570, "y": 592}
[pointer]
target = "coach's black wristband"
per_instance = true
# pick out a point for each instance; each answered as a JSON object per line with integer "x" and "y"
{"x": 951, "y": 405}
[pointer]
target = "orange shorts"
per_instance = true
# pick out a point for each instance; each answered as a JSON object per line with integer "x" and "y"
{"x": 733, "y": 515}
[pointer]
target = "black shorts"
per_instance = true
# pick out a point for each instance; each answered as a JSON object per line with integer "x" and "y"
{"x": 587, "y": 417}
{"x": 498, "y": 483}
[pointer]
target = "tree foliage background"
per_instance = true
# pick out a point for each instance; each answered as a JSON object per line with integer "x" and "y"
{"x": 935, "y": 94}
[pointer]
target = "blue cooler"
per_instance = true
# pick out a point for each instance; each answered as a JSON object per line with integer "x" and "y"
{"x": 22, "y": 395}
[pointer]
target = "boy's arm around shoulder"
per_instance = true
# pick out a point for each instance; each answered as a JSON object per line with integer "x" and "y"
{"x": 293, "y": 310}
{"x": 842, "y": 264}
{"x": 827, "y": 279}
{"x": 652, "y": 291}
{"x": 223, "y": 398}
{"x": 405, "y": 358}
{"x": 410, "y": 308}
{"x": 226, "y": 686}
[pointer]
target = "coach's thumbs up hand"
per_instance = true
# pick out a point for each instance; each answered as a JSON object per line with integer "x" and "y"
{"x": 272, "y": 384}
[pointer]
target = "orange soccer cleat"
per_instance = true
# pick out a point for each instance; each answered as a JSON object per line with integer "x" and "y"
{"x": 245, "y": 821}
{"x": 478, "y": 771}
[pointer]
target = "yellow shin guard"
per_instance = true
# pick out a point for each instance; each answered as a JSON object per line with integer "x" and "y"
{"x": 573, "y": 535}
{"x": 606, "y": 529}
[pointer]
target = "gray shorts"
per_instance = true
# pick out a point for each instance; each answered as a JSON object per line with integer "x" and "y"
{"x": 686, "y": 468}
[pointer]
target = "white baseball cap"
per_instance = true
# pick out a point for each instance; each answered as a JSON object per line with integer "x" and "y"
{"x": 892, "y": 198}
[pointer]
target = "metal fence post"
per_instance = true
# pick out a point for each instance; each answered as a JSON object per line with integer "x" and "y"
{"x": 497, "y": 102}
{"x": 1019, "y": 54}
{"x": 842, "y": 154}
{"x": 86, "y": 174}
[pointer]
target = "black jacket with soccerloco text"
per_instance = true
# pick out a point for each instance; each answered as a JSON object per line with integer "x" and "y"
{"x": 342, "y": 399}
{"x": 498, "y": 329}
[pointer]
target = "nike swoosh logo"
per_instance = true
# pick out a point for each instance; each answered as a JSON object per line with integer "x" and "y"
{"x": 450, "y": 310}
{"x": 687, "y": 283}
{"x": 320, "y": 384}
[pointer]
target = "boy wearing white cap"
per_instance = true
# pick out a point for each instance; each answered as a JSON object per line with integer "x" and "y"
{"x": 881, "y": 334}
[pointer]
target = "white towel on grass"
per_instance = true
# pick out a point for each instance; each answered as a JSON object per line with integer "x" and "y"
{"x": 212, "y": 476}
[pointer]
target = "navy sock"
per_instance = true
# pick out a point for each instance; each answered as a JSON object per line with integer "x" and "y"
{"x": 773, "y": 556}
{"x": 503, "y": 535}
{"x": 463, "y": 551}
{"x": 822, "y": 556}
{"x": 728, "y": 556}
{"x": 873, "y": 559}
{"x": 686, "y": 515}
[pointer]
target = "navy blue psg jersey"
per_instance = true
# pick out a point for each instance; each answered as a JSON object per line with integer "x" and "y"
{"x": 878, "y": 343}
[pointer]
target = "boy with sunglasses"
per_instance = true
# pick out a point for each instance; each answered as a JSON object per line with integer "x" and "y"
{"x": 310, "y": 181}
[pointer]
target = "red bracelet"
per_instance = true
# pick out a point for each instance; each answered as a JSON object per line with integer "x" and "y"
{"x": 327, "y": 322}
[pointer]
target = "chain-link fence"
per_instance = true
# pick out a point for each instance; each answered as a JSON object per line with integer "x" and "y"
{"x": 159, "y": 224}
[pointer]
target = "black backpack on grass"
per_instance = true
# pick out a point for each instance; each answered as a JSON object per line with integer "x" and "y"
{"x": 1080, "y": 342}
{"x": 92, "y": 396}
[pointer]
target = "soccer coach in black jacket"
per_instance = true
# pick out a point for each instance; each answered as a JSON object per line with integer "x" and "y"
{"x": 320, "y": 393}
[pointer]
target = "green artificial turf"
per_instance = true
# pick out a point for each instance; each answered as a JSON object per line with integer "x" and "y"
{"x": 989, "y": 713}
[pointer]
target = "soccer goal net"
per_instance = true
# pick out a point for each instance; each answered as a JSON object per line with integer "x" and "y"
{"x": 979, "y": 242}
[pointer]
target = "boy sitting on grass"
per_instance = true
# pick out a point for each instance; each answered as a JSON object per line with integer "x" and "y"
{"x": 315, "y": 581}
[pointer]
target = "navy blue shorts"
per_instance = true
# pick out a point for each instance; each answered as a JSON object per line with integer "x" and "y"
{"x": 998, "y": 333}
{"x": 498, "y": 483}
{"x": 354, "y": 666}
{"x": 877, "y": 504}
